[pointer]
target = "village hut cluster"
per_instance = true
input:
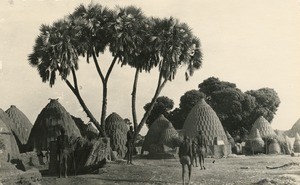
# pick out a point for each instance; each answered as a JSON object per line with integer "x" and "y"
{"x": 35, "y": 144}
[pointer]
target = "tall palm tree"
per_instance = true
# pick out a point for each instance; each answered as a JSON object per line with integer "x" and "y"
{"x": 130, "y": 38}
{"x": 172, "y": 45}
{"x": 56, "y": 51}
{"x": 92, "y": 24}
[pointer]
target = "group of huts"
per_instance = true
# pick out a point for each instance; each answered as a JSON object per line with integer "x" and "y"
{"x": 20, "y": 139}
{"x": 262, "y": 139}
{"x": 18, "y": 135}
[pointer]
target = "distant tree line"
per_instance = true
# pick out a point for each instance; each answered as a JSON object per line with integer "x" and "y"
{"x": 236, "y": 110}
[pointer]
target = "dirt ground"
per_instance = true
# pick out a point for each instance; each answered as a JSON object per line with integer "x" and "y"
{"x": 235, "y": 170}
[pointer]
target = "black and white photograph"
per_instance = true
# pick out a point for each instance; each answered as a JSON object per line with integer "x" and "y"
{"x": 150, "y": 92}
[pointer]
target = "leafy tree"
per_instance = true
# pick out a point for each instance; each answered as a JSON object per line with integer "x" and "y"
{"x": 267, "y": 102}
{"x": 187, "y": 102}
{"x": 162, "y": 105}
{"x": 233, "y": 107}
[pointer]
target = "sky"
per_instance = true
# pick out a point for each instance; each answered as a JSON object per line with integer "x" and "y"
{"x": 251, "y": 43}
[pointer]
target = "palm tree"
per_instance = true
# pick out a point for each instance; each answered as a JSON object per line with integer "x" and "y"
{"x": 56, "y": 50}
{"x": 172, "y": 45}
{"x": 130, "y": 39}
{"x": 93, "y": 25}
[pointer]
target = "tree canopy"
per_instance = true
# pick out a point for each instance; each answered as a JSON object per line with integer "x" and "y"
{"x": 132, "y": 38}
{"x": 162, "y": 105}
{"x": 236, "y": 110}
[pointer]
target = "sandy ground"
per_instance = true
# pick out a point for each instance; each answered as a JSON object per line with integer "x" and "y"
{"x": 229, "y": 171}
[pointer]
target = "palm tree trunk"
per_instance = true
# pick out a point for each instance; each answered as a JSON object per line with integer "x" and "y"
{"x": 160, "y": 86}
{"x": 104, "y": 82}
{"x": 104, "y": 105}
{"x": 76, "y": 92}
{"x": 133, "y": 100}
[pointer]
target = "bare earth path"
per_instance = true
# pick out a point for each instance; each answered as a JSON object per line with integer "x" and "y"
{"x": 239, "y": 171}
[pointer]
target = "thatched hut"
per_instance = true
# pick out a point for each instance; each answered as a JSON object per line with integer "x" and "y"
{"x": 274, "y": 147}
{"x": 21, "y": 127}
{"x": 48, "y": 124}
{"x": 91, "y": 132}
{"x": 160, "y": 134}
{"x": 8, "y": 146}
{"x": 80, "y": 124}
{"x": 297, "y": 143}
{"x": 203, "y": 117}
{"x": 295, "y": 129}
{"x": 116, "y": 129}
{"x": 255, "y": 143}
{"x": 264, "y": 128}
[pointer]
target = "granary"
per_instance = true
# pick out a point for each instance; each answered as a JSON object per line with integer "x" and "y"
{"x": 48, "y": 125}
{"x": 160, "y": 135}
{"x": 116, "y": 129}
{"x": 8, "y": 146}
{"x": 203, "y": 118}
{"x": 264, "y": 128}
{"x": 21, "y": 126}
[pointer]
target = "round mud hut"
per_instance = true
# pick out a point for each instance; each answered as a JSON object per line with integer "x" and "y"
{"x": 116, "y": 129}
{"x": 203, "y": 118}
{"x": 21, "y": 127}
{"x": 48, "y": 124}
{"x": 160, "y": 134}
{"x": 8, "y": 145}
{"x": 264, "y": 128}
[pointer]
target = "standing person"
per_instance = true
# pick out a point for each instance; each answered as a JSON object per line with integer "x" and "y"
{"x": 194, "y": 152}
{"x": 185, "y": 155}
{"x": 62, "y": 149}
{"x": 130, "y": 145}
{"x": 202, "y": 148}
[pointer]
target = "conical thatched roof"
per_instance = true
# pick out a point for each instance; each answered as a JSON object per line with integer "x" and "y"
{"x": 80, "y": 124}
{"x": 22, "y": 126}
{"x": 295, "y": 129}
{"x": 7, "y": 142}
{"x": 161, "y": 132}
{"x": 91, "y": 132}
{"x": 116, "y": 129}
{"x": 48, "y": 124}
{"x": 264, "y": 128}
{"x": 203, "y": 117}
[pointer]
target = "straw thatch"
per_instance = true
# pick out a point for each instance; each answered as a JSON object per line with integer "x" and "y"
{"x": 289, "y": 144}
{"x": 203, "y": 117}
{"x": 264, "y": 128}
{"x": 297, "y": 143}
{"x": 80, "y": 124}
{"x": 255, "y": 143}
{"x": 116, "y": 129}
{"x": 86, "y": 130}
{"x": 274, "y": 147}
{"x": 91, "y": 132}
{"x": 8, "y": 144}
{"x": 48, "y": 124}
{"x": 230, "y": 139}
{"x": 21, "y": 127}
{"x": 295, "y": 129}
{"x": 159, "y": 134}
